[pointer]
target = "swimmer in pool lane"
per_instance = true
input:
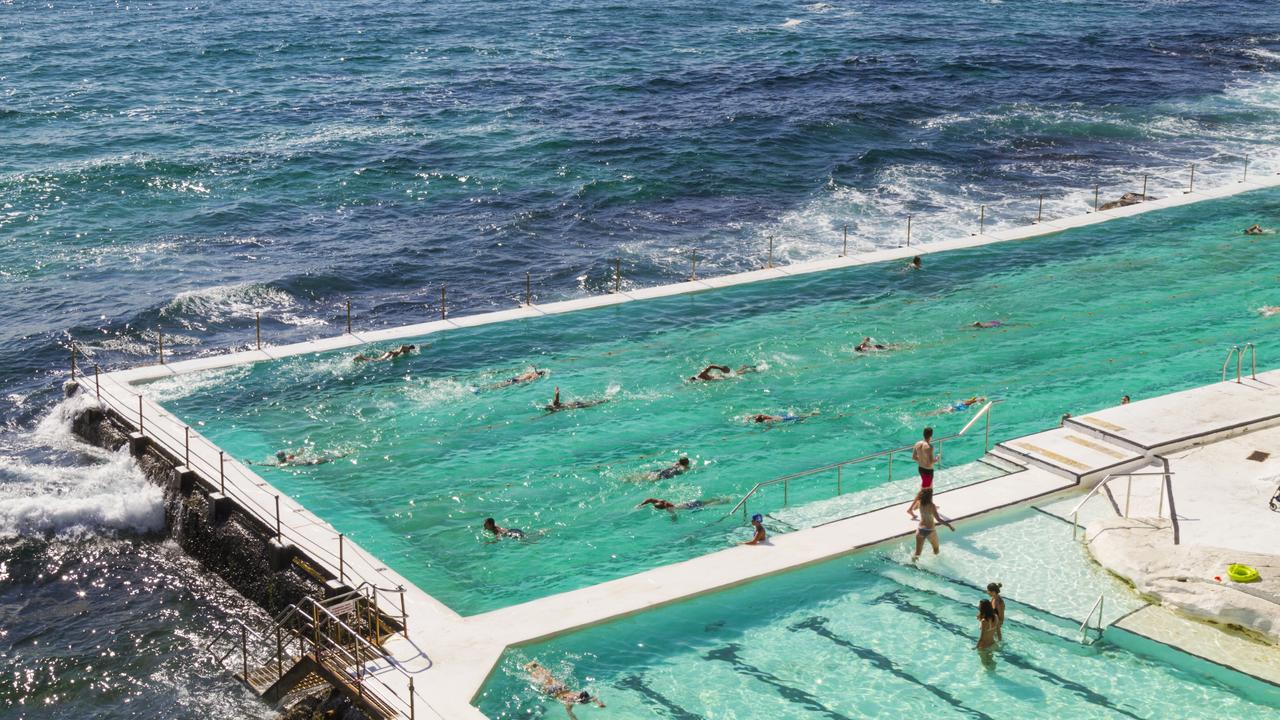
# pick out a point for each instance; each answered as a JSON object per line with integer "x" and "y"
{"x": 1269, "y": 310}
{"x": 985, "y": 324}
{"x": 711, "y": 373}
{"x": 388, "y": 355}
{"x": 1254, "y": 230}
{"x": 288, "y": 458}
{"x": 556, "y": 405}
{"x": 499, "y": 532}
{"x": 528, "y": 376}
{"x": 869, "y": 345}
{"x": 759, "y": 536}
{"x": 961, "y": 406}
{"x": 914, "y": 264}
{"x": 680, "y": 467}
{"x": 660, "y": 504}
{"x": 552, "y": 687}
{"x": 763, "y": 419}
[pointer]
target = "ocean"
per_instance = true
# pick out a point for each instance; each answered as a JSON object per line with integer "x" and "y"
{"x": 179, "y": 168}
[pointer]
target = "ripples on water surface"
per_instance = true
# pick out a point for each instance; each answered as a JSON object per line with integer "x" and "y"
{"x": 186, "y": 166}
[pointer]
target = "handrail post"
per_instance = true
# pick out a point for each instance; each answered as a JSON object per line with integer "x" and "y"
{"x": 139, "y": 414}
{"x": 279, "y": 655}
{"x": 694, "y": 274}
{"x": 771, "y": 251}
{"x": 1239, "y": 367}
{"x": 443, "y": 313}
{"x": 845, "y": 251}
{"x": 891, "y": 467}
{"x": 404, "y": 616}
{"x": 839, "y": 469}
{"x": 348, "y": 316}
{"x": 1245, "y": 176}
{"x": 97, "y": 383}
{"x": 982, "y": 220}
{"x": 1097, "y": 189}
{"x": 617, "y": 276}
{"x": 258, "y": 328}
{"x": 73, "y": 361}
{"x": 1191, "y": 186}
{"x": 186, "y": 444}
{"x": 244, "y": 651}
{"x": 1128, "y": 488}
{"x": 341, "y": 565}
{"x": 160, "y": 336}
{"x": 786, "y": 487}
{"x": 277, "y": 518}
{"x": 411, "y": 708}
{"x": 1144, "y": 188}
{"x": 528, "y": 290}
{"x": 908, "y": 231}
{"x": 1040, "y": 210}
{"x": 986, "y": 437}
{"x": 222, "y": 472}
{"x": 1160, "y": 506}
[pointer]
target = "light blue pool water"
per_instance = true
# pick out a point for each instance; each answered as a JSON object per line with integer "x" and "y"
{"x": 870, "y": 636}
{"x": 1137, "y": 306}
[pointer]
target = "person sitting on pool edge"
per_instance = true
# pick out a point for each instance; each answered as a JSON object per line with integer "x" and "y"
{"x": 680, "y": 467}
{"x": 500, "y": 532}
{"x": 388, "y": 355}
{"x": 549, "y": 685}
{"x": 757, "y": 521}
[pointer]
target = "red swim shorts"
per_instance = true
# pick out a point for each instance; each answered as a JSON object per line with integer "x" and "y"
{"x": 926, "y": 478}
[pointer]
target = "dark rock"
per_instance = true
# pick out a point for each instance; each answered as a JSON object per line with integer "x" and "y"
{"x": 1126, "y": 200}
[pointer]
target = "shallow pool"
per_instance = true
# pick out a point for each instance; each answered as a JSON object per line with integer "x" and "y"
{"x": 428, "y": 448}
{"x": 872, "y": 636}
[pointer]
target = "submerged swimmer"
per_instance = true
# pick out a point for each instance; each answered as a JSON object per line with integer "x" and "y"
{"x": 711, "y": 373}
{"x": 499, "y": 532}
{"x": 556, "y": 405}
{"x": 680, "y": 467}
{"x": 550, "y": 686}
{"x": 762, "y": 418}
{"x": 286, "y": 458}
{"x": 988, "y": 324}
{"x": 524, "y": 377}
{"x": 1254, "y": 230}
{"x": 960, "y": 406}
{"x": 660, "y": 504}
{"x": 388, "y": 355}
{"x": 869, "y": 345}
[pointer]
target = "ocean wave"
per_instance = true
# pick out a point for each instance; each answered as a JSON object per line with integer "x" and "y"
{"x": 95, "y": 491}
{"x": 221, "y": 303}
{"x": 181, "y": 386}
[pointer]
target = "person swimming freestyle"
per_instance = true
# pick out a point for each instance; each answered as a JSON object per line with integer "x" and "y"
{"x": 387, "y": 355}
{"x": 549, "y": 685}
{"x": 556, "y": 405}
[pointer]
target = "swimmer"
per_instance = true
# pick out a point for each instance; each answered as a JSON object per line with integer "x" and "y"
{"x": 960, "y": 406}
{"x": 763, "y": 419}
{"x": 1254, "y": 230}
{"x": 984, "y": 324}
{"x": 500, "y": 532}
{"x": 680, "y": 467}
{"x": 914, "y": 264}
{"x": 712, "y": 373}
{"x": 284, "y": 458}
{"x": 660, "y": 504}
{"x": 550, "y": 686}
{"x": 556, "y": 405}
{"x": 868, "y": 345}
{"x": 746, "y": 369}
{"x": 1124, "y": 400}
{"x": 1269, "y": 310}
{"x": 524, "y": 377}
{"x": 388, "y": 355}
{"x": 757, "y": 521}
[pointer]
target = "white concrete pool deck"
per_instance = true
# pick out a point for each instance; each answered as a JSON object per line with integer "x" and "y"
{"x": 451, "y": 656}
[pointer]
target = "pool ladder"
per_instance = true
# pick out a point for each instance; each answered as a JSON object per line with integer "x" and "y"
{"x": 1237, "y": 351}
{"x": 1084, "y": 626}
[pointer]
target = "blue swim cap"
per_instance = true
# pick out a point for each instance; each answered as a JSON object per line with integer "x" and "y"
{"x": 757, "y": 518}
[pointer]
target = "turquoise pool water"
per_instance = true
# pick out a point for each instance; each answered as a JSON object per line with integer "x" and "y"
{"x": 869, "y": 636}
{"x": 1136, "y": 306}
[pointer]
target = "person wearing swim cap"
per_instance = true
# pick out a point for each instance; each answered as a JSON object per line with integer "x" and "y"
{"x": 549, "y": 685}
{"x": 757, "y": 521}
{"x": 500, "y": 532}
{"x": 925, "y": 458}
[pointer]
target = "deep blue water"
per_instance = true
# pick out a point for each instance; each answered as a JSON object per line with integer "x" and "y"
{"x": 179, "y": 167}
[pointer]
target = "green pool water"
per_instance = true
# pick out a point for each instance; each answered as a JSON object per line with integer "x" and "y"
{"x": 870, "y": 636}
{"x": 1137, "y": 306}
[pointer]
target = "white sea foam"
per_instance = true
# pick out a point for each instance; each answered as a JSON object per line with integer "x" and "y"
{"x": 221, "y": 302}
{"x": 181, "y": 386}
{"x": 792, "y": 22}
{"x": 95, "y": 491}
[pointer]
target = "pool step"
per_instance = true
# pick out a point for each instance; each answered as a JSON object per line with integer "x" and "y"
{"x": 1070, "y": 453}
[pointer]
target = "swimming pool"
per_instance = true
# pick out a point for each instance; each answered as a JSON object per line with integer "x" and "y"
{"x": 871, "y": 636}
{"x": 1134, "y": 306}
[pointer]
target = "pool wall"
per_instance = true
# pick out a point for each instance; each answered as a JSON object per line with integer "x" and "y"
{"x": 451, "y": 656}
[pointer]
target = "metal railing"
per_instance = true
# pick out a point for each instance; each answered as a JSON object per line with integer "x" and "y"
{"x": 1166, "y": 485}
{"x": 230, "y": 479}
{"x": 1084, "y": 626}
{"x": 785, "y": 480}
{"x": 341, "y": 636}
{"x": 1237, "y": 351}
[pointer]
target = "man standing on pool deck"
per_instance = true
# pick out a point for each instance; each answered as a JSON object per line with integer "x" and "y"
{"x": 922, "y": 453}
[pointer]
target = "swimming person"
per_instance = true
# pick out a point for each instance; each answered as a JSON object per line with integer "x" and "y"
{"x": 984, "y": 324}
{"x": 757, "y": 521}
{"x": 680, "y": 467}
{"x": 922, "y": 453}
{"x": 711, "y": 373}
{"x": 1268, "y": 310}
{"x": 556, "y": 405}
{"x": 660, "y": 504}
{"x": 1124, "y": 400}
{"x": 914, "y": 264}
{"x": 989, "y": 625}
{"x": 528, "y": 376}
{"x": 1254, "y": 230}
{"x": 286, "y": 458}
{"x": 997, "y": 602}
{"x": 867, "y": 345}
{"x": 929, "y": 519}
{"x": 388, "y": 355}
{"x": 500, "y": 532}
{"x": 549, "y": 685}
{"x": 960, "y": 406}
{"x": 762, "y": 418}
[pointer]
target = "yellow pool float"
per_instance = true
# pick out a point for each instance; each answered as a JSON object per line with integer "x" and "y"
{"x": 1242, "y": 573}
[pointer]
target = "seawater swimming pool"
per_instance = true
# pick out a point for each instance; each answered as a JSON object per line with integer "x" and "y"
{"x": 1133, "y": 306}
{"x": 870, "y": 636}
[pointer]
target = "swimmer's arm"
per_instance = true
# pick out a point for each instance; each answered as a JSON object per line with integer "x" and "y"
{"x": 938, "y": 516}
